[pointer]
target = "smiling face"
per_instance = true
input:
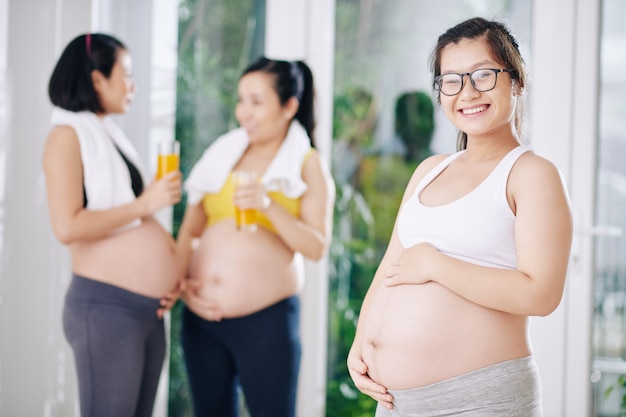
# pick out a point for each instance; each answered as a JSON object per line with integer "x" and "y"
{"x": 116, "y": 93}
{"x": 478, "y": 113}
{"x": 259, "y": 110}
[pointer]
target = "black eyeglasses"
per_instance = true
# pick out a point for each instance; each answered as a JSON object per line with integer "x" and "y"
{"x": 483, "y": 79}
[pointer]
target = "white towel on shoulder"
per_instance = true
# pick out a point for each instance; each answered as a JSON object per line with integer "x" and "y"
{"x": 105, "y": 174}
{"x": 283, "y": 174}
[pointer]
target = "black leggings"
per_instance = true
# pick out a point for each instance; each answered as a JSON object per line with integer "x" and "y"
{"x": 119, "y": 348}
{"x": 259, "y": 352}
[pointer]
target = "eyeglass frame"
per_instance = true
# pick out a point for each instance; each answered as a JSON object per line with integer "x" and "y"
{"x": 496, "y": 71}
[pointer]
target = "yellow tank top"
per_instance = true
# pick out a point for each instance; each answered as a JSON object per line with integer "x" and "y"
{"x": 219, "y": 206}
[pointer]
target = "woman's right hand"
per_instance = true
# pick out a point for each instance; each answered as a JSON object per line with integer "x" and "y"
{"x": 195, "y": 302}
{"x": 170, "y": 298}
{"x": 359, "y": 374}
{"x": 162, "y": 193}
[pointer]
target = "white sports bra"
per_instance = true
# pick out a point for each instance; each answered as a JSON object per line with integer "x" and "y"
{"x": 477, "y": 228}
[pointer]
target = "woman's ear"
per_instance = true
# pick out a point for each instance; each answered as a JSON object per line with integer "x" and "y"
{"x": 518, "y": 90}
{"x": 291, "y": 108}
{"x": 97, "y": 79}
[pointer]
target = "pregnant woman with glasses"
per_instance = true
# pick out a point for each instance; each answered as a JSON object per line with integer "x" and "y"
{"x": 480, "y": 244}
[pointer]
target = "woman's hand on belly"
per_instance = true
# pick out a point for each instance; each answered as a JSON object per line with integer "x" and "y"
{"x": 360, "y": 376}
{"x": 413, "y": 266}
{"x": 170, "y": 298}
{"x": 208, "y": 310}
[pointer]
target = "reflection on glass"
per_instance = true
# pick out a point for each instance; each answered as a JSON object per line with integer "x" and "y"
{"x": 609, "y": 321}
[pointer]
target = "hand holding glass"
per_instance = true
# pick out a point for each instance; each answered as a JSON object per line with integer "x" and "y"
{"x": 245, "y": 218}
{"x": 168, "y": 158}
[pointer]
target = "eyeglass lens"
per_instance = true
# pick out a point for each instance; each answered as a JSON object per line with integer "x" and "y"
{"x": 481, "y": 79}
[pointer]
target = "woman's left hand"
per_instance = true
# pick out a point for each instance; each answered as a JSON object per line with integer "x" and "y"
{"x": 415, "y": 265}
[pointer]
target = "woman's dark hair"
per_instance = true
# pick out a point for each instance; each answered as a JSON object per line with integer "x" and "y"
{"x": 292, "y": 79}
{"x": 505, "y": 50}
{"x": 70, "y": 86}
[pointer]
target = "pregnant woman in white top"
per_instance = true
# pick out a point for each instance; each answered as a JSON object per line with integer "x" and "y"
{"x": 481, "y": 242}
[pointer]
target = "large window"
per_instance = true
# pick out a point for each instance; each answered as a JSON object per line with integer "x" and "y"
{"x": 385, "y": 123}
{"x": 609, "y": 320}
{"x": 217, "y": 40}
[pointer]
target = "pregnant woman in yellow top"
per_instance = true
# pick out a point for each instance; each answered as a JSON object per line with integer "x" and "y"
{"x": 240, "y": 324}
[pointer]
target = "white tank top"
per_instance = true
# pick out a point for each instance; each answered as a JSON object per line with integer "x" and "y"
{"x": 476, "y": 228}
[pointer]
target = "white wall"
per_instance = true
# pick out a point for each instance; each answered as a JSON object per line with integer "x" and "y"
{"x": 36, "y": 365}
{"x": 36, "y": 378}
{"x": 304, "y": 30}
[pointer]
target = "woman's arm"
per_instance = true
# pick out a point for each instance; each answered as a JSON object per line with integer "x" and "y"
{"x": 310, "y": 234}
{"x": 64, "y": 184}
{"x": 543, "y": 238}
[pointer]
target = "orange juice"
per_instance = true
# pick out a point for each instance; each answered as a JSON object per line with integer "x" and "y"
{"x": 167, "y": 164}
{"x": 246, "y": 219}
{"x": 168, "y": 158}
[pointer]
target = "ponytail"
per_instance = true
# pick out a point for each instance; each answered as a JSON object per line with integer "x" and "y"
{"x": 306, "y": 110}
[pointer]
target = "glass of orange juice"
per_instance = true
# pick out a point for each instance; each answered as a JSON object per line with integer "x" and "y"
{"x": 245, "y": 218}
{"x": 168, "y": 157}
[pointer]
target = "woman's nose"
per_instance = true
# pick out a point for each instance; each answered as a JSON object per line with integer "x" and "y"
{"x": 467, "y": 89}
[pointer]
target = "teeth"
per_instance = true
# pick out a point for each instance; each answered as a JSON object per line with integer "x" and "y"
{"x": 475, "y": 110}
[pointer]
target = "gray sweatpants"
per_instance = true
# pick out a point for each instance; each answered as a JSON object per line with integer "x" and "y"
{"x": 508, "y": 389}
{"x": 119, "y": 347}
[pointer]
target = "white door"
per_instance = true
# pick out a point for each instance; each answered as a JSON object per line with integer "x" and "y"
{"x": 580, "y": 118}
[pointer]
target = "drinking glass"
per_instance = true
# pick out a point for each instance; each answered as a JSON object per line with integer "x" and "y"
{"x": 168, "y": 157}
{"x": 245, "y": 218}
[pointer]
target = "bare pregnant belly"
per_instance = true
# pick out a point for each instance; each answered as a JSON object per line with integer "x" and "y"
{"x": 244, "y": 272}
{"x": 140, "y": 260}
{"x": 414, "y": 335}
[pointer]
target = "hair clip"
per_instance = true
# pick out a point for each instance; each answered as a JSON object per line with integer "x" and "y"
{"x": 88, "y": 45}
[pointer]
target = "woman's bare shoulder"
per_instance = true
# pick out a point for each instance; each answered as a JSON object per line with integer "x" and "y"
{"x": 62, "y": 132}
{"x": 314, "y": 167}
{"x": 61, "y": 143}
{"x": 426, "y": 166}
{"x": 420, "y": 172}
{"x": 61, "y": 137}
{"x": 534, "y": 174}
{"x": 433, "y": 160}
{"x": 531, "y": 166}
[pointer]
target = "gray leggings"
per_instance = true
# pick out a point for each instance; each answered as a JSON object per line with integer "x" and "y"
{"x": 508, "y": 389}
{"x": 119, "y": 348}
